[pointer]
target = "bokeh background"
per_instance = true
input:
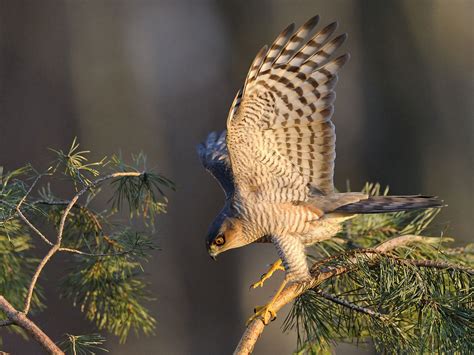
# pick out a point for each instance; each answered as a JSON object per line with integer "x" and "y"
{"x": 159, "y": 75}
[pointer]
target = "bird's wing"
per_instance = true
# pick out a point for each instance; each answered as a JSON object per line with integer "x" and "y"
{"x": 281, "y": 140}
{"x": 215, "y": 158}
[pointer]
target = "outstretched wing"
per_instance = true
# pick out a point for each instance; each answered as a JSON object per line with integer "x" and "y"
{"x": 280, "y": 137}
{"x": 215, "y": 158}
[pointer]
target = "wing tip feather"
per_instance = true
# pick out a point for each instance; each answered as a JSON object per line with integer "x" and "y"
{"x": 288, "y": 30}
{"x": 311, "y": 23}
{"x": 342, "y": 60}
{"x": 330, "y": 28}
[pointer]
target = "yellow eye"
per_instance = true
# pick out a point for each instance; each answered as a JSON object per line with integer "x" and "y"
{"x": 219, "y": 240}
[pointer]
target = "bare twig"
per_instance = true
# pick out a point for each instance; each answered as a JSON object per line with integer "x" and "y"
{"x": 293, "y": 290}
{"x": 36, "y": 275}
{"x": 32, "y": 226}
{"x": 79, "y": 252}
{"x": 21, "y": 320}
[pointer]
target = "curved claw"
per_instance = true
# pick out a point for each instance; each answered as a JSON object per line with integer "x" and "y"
{"x": 265, "y": 313}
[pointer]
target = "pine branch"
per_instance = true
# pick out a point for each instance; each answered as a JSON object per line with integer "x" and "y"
{"x": 83, "y": 344}
{"x": 112, "y": 261}
{"x": 27, "y": 221}
{"x": 23, "y": 217}
{"x": 20, "y": 319}
{"x": 84, "y": 190}
{"x": 437, "y": 265}
{"x": 319, "y": 275}
{"x": 36, "y": 275}
{"x": 57, "y": 246}
{"x": 97, "y": 255}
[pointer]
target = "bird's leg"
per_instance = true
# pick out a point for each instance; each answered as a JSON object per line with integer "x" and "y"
{"x": 266, "y": 313}
{"x": 277, "y": 265}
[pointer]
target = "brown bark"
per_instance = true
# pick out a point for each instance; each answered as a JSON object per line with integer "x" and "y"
{"x": 21, "y": 320}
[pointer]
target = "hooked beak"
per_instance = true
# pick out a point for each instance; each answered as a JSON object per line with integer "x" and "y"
{"x": 212, "y": 252}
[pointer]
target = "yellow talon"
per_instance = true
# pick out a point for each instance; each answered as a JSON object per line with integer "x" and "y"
{"x": 266, "y": 313}
{"x": 277, "y": 265}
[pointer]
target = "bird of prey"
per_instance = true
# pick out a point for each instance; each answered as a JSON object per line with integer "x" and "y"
{"x": 275, "y": 161}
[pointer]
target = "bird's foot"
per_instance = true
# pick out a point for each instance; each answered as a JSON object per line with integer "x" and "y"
{"x": 265, "y": 313}
{"x": 277, "y": 265}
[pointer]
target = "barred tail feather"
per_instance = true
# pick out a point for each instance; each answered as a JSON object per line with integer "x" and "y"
{"x": 384, "y": 204}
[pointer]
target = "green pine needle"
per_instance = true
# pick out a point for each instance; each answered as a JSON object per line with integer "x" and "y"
{"x": 110, "y": 293}
{"x": 421, "y": 310}
{"x": 83, "y": 344}
{"x": 106, "y": 254}
{"x": 16, "y": 268}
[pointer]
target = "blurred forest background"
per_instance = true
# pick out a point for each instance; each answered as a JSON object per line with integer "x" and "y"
{"x": 159, "y": 75}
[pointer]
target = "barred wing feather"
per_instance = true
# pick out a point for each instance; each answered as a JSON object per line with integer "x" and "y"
{"x": 280, "y": 138}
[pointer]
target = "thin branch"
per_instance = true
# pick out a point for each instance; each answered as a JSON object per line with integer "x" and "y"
{"x": 29, "y": 190}
{"x": 32, "y": 226}
{"x": 439, "y": 265}
{"x": 85, "y": 189}
{"x": 79, "y": 252}
{"x": 36, "y": 275}
{"x": 350, "y": 305}
{"x": 55, "y": 248}
{"x": 28, "y": 223}
{"x": 90, "y": 213}
{"x": 83, "y": 208}
{"x": 456, "y": 251}
{"x": 24, "y": 322}
{"x": 293, "y": 290}
{"x": 52, "y": 203}
{"x": 23, "y": 217}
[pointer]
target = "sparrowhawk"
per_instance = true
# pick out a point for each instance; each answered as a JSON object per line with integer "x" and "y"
{"x": 275, "y": 162}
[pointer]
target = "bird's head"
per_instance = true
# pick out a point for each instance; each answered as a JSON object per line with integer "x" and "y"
{"x": 224, "y": 233}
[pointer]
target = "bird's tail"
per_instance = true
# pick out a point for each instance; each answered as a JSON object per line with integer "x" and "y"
{"x": 384, "y": 204}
